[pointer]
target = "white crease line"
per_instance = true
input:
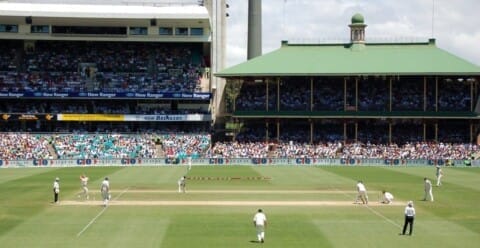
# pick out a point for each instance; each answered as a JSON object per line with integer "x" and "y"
{"x": 98, "y": 215}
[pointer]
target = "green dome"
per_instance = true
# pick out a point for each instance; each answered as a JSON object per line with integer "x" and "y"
{"x": 358, "y": 19}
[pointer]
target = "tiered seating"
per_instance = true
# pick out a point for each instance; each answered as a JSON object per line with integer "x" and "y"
{"x": 61, "y": 66}
{"x": 103, "y": 146}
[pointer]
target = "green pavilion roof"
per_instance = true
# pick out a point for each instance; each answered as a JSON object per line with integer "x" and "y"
{"x": 354, "y": 59}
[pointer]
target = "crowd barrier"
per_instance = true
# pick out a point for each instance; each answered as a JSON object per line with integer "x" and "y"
{"x": 237, "y": 161}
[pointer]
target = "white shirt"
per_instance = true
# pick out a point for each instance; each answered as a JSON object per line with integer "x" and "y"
{"x": 84, "y": 181}
{"x": 105, "y": 186}
{"x": 439, "y": 172}
{"x": 260, "y": 219}
{"x": 181, "y": 181}
{"x": 428, "y": 185}
{"x": 56, "y": 186}
{"x": 409, "y": 211}
{"x": 388, "y": 196}
{"x": 361, "y": 187}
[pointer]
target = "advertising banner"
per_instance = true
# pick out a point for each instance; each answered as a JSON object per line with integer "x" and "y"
{"x": 108, "y": 95}
{"x": 232, "y": 162}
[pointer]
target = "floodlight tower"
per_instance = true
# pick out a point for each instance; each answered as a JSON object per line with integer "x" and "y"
{"x": 254, "y": 43}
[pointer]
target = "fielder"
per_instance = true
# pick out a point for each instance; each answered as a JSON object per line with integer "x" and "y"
{"x": 189, "y": 162}
{"x": 260, "y": 222}
{"x": 428, "y": 189}
{"x": 362, "y": 193}
{"x": 181, "y": 184}
{"x": 83, "y": 184}
{"x": 105, "y": 190}
{"x": 387, "y": 197}
{"x": 439, "y": 174}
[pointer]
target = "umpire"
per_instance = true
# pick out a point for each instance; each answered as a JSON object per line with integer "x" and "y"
{"x": 56, "y": 189}
{"x": 409, "y": 217}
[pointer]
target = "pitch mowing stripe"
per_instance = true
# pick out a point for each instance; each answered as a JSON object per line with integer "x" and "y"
{"x": 223, "y": 203}
{"x": 244, "y": 191}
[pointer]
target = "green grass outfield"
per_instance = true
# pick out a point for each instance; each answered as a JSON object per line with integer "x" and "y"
{"x": 305, "y": 207}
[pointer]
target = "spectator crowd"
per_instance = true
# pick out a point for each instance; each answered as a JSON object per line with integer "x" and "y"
{"x": 25, "y": 146}
{"x": 61, "y": 66}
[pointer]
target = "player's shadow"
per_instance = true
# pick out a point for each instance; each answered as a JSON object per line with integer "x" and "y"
{"x": 254, "y": 241}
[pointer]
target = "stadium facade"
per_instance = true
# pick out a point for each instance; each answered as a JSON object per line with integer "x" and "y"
{"x": 355, "y": 92}
{"x": 145, "y": 80}
{"x": 110, "y": 65}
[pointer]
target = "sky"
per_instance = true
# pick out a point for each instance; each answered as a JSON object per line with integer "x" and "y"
{"x": 456, "y": 24}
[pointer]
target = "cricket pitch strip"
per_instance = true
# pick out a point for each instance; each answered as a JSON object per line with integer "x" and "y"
{"x": 223, "y": 203}
{"x": 286, "y": 203}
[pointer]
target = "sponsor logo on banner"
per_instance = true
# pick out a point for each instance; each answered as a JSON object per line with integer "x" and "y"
{"x": 108, "y": 95}
{"x": 436, "y": 162}
{"x": 302, "y": 160}
{"x": 216, "y": 161}
{"x": 348, "y": 161}
{"x": 126, "y": 161}
{"x": 40, "y": 162}
{"x": 259, "y": 161}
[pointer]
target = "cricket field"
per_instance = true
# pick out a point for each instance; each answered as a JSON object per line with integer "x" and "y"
{"x": 306, "y": 206}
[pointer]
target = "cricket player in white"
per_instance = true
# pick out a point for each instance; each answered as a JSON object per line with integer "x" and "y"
{"x": 105, "y": 190}
{"x": 362, "y": 193}
{"x": 439, "y": 174}
{"x": 387, "y": 197}
{"x": 56, "y": 190}
{"x": 428, "y": 189}
{"x": 181, "y": 184}
{"x": 260, "y": 222}
{"x": 189, "y": 162}
{"x": 83, "y": 184}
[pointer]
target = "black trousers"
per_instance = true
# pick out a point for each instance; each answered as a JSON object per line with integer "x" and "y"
{"x": 408, "y": 220}
{"x": 55, "y": 196}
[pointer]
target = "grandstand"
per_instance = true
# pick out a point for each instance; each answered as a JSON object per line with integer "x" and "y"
{"x": 76, "y": 84}
{"x": 356, "y": 94}
{"x": 101, "y": 74}
{"x": 126, "y": 98}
